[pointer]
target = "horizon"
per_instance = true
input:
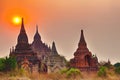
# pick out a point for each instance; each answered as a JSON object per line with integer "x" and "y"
{"x": 61, "y": 21}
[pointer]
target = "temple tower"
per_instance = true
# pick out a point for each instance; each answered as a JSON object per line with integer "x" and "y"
{"x": 54, "y": 51}
{"x": 39, "y": 47}
{"x": 23, "y": 49}
{"x": 55, "y": 62}
{"x": 83, "y": 58}
{"x": 22, "y": 41}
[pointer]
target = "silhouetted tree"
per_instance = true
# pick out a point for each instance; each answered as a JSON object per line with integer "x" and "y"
{"x": 117, "y": 64}
{"x": 8, "y": 64}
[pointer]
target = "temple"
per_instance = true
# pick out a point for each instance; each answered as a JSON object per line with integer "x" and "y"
{"x": 23, "y": 52}
{"x": 55, "y": 61}
{"x": 37, "y": 56}
{"x": 83, "y": 58}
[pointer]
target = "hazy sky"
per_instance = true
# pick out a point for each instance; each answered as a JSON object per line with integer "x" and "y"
{"x": 61, "y": 21}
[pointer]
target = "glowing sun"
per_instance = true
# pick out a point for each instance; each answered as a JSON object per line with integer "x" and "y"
{"x": 16, "y": 20}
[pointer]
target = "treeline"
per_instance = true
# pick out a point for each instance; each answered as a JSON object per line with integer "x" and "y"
{"x": 8, "y": 64}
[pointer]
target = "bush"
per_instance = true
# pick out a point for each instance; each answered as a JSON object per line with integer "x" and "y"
{"x": 72, "y": 72}
{"x": 10, "y": 63}
{"x": 63, "y": 71}
{"x": 7, "y": 64}
{"x": 102, "y": 71}
{"x": 117, "y": 70}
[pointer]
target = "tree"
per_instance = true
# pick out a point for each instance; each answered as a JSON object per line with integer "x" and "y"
{"x": 10, "y": 63}
{"x": 117, "y": 64}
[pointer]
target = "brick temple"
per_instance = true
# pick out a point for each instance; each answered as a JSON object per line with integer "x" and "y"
{"x": 83, "y": 58}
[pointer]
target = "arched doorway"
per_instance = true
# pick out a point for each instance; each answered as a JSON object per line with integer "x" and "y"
{"x": 87, "y": 60}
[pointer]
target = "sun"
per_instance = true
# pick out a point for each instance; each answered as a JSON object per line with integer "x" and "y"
{"x": 16, "y": 20}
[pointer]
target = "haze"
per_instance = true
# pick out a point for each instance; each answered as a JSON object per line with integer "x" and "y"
{"x": 61, "y": 21}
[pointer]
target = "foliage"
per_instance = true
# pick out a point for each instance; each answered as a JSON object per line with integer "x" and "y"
{"x": 102, "y": 71}
{"x": 8, "y": 64}
{"x": 21, "y": 72}
{"x": 2, "y": 65}
{"x": 64, "y": 71}
{"x": 117, "y": 64}
{"x": 117, "y": 70}
{"x": 72, "y": 72}
{"x": 107, "y": 65}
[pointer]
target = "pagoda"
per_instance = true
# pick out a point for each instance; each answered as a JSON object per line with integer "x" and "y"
{"x": 39, "y": 47}
{"x": 23, "y": 51}
{"x": 37, "y": 56}
{"x": 83, "y": 58}
{"x": 55, "y": 61}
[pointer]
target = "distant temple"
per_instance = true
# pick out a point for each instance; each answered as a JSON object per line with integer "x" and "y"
{"x": 36, "y": 57}
{"x": 83, "y": 58}
{"x": 55, "y": 61}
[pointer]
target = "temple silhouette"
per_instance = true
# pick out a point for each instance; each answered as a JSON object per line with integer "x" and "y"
{"x": 83, "y": 58}
{"x": 39, "y": 57}
{"x": 36, "y": 57}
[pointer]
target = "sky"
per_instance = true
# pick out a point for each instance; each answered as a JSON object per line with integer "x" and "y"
{"x": 61, "y": 21}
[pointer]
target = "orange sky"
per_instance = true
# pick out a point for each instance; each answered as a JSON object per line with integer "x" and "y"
{"x": 61, "y": 21}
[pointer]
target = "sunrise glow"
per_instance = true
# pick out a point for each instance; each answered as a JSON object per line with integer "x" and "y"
{"x": 16, "y": 20}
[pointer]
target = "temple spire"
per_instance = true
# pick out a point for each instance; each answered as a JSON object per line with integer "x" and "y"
{"x": 82, "y": 39}
{"x": 37, "y": 36}
{"x": 22, "y": 41}
{"x": 22, "y": 26}
{"x": 36, "y": 28}
{"x": 22, "y": 37}
{"x": 54, "y": 51}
